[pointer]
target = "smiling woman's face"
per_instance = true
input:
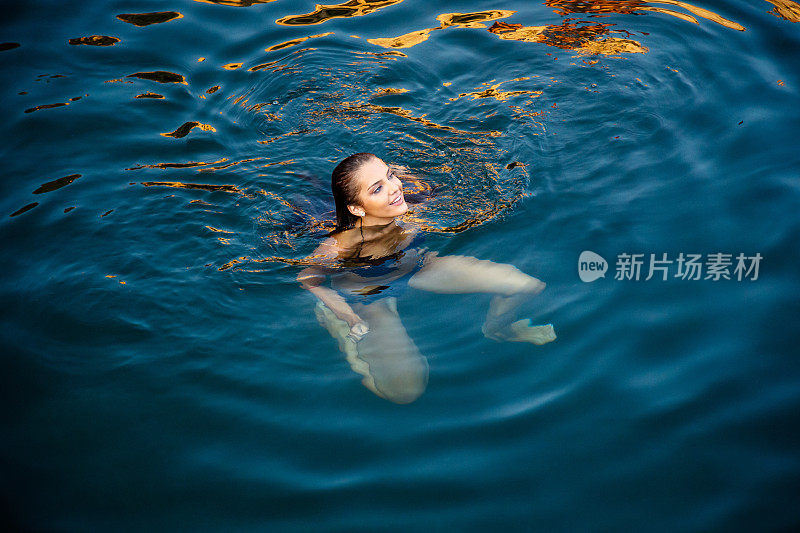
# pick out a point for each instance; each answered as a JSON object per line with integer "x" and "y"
{"x": 380, "y": 193}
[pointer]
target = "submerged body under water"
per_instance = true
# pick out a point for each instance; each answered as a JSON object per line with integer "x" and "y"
{"x": 368, "y": 276}
{"x": 166, "y": 176}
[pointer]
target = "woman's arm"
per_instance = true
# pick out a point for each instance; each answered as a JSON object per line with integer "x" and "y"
{"x": 311, "y": 279}
{"x": 332, "y": 299}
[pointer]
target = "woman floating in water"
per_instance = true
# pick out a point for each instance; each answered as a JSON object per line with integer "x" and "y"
{"x": 371, "y": 257}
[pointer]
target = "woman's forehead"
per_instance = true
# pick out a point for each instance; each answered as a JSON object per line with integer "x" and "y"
{"x": 372, "y": 170}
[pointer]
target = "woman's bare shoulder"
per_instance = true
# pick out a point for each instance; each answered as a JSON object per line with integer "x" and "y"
{"x": 344, "y": 240}
{"x": 334, "y": 245}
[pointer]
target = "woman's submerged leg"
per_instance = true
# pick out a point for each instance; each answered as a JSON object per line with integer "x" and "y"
{"x": 392, "y": 366}
{"x": 458, "y": 274}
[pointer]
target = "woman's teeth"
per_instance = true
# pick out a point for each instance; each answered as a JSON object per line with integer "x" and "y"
{"x": 397, "y": 200}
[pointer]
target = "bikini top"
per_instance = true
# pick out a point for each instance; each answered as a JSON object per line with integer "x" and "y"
{"x": 382, "y": 266}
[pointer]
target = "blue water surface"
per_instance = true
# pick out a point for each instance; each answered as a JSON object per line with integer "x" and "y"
{"x": 163, "y": 370}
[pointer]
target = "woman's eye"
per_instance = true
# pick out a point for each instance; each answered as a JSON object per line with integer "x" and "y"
{"x": 378, "y": 188}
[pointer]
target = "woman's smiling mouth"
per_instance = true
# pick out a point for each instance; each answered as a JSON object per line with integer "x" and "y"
{"x": 398, "y": 200}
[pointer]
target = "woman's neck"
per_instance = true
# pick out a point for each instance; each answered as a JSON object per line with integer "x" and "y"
{"x": 376, "y": 232}
{"x": 376, "y": 222}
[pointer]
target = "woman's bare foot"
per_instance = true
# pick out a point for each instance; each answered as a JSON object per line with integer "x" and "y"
{"x": 523, "y": 331}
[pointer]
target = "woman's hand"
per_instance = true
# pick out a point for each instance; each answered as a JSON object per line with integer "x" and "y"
{"x": 358, "y": 330}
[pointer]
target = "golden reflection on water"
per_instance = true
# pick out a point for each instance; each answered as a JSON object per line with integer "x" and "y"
{"x": 262, "y": 66}
{"x": 95, "y": 40}
{"x": 786, "y": 9}
{"x": 612, "y": 46}
{"x": 490, "y": 91}
{"x": 404, "y": 41}
{"x": 184, "y": 129}
{"x": 146, "y": 19}
{"x": 583, "y": 36}
{"x": 323, "y": 12}
{"x": 217, "y": 230}
{"x": 446, "y": 20}
{"x": 676, "y": 14}
{"x": 627, "y": 7}
{"x": 287, "y": 162}
{"x": 295, "y": 42}
{"x": 229, "y": 165}
{"x": 306, "y": 261}
{"x": 703, "y": 13}
{"x": 565, "y": 7}
{"x": 150, "y": 95}
{"x": 386, "y": 91}
{"x": 471, "y": 20}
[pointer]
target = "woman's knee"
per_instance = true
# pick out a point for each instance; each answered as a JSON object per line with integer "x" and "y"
{"x": 403, "y": 383}
{"x": 512, "y": 280}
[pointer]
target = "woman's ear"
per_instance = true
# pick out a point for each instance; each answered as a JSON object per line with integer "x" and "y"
{"x": 356, "y": 210}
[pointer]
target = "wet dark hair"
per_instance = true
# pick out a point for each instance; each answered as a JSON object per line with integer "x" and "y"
{"x": 345, "y": 188}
